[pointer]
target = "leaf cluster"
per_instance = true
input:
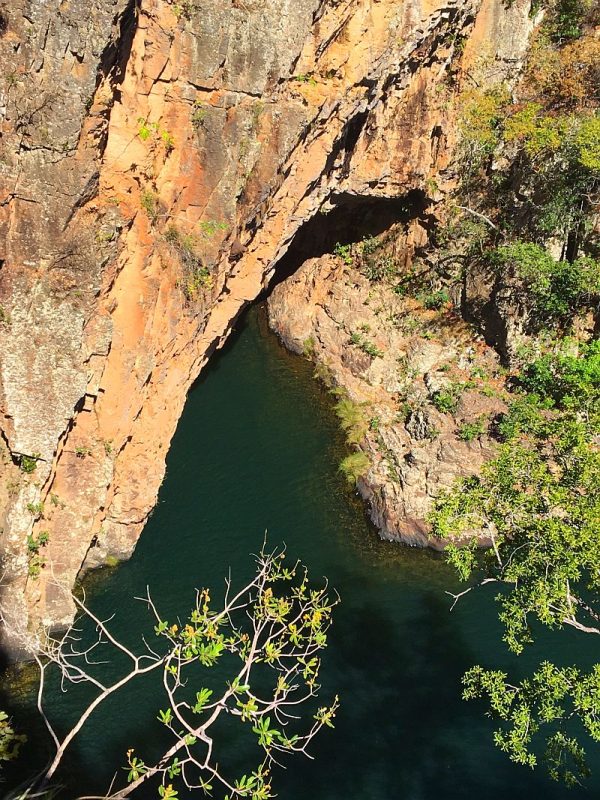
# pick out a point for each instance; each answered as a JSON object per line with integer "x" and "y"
{"x": 446, "y": 400}
{"x": 538, "y": 502}
{"x": 354, "y": 466}
{"x": 353, "y": 419}
{"x": 555, "y": 291}
{"x": 10, "y": 740}
{"x": 197, "y": 277}
{"x": 276, "y": 626}
{"x": 543, "y": 704}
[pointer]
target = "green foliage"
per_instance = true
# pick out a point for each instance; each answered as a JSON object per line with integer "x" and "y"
{"x": 35, "y": 561}
{"x": 355, "y": 423}
{"x": 555, "y": 290}
{"x": 542, "y": 507}
{"x": 308, "y": 346}
{"x": 562, "y": 174}
{"x": 35, "y": 565}
{"x": 434, "y": 301}
{"x": 587, "y": 144}
{"x": 446, "y": 400}
{"x": 28, "y": 464}
{"x": 569, "y": 378}
{"x": 174, "y": 237}
{"x": 137, "y": 768}
{"x": 197, "y": 277}
{"x": 344, "y": 251}
{"x": 257, "y": 110}
{"x": 104, "y": 236}
{"x": 376, "y": 268}
{"x": 210, "y": 227}
{"x": 545, "y": 134}
{"x": 537, "y": 132}
{"x": 202, "y": 698}
{"x": 199, "y": 114}
{"x": 380, "y": 269}
{"x": 152, "y": 130}
{"x": 323, "y": 373}
{"x": 546, "y": 182}
{"x": 306, "y": 78}
{"x": 469, "y": 431}
{"x": 370, "y": 245}
{"x": 353, "y": 419}
{"x": 184, "y": 8}
{"x": 355, "y": 466}
{"x": 539, "y": 502}
{"x": 565, "y": 18}
{"x": 541, "y": 492}
{"x": 530, "y": 261}
{"x": 481, "y": 112}
{"x": 368, "y": 347}
{"x": 525, "y": 416}
{"x": 542, "y": 704}
{"x": 295, "y": 620}
{"x": 145, "y": 129}
{"x": 168, "y": 140}
{"x": 266, "y": 639}
{"x": 149, "y": 202}
{"x": 10, "y": 741}
{"x": 573, "y": 287}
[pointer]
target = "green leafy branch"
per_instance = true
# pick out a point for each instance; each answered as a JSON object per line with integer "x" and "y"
{"x": 275, "y": 626}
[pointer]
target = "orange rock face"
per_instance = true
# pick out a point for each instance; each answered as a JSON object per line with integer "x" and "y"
{"x": 159, "y": 161}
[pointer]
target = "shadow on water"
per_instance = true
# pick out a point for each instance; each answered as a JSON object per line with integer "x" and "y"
{"x": 396, "y": 697}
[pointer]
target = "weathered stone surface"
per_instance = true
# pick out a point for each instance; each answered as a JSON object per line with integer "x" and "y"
{"x": 156, "y": 166}
{"x": 51, "y": 57}
{"x": 415, "y": 451}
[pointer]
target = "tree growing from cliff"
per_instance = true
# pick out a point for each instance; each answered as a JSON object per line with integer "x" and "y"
{"x": 267, "y": 636}
{"x": 539, "y": 504}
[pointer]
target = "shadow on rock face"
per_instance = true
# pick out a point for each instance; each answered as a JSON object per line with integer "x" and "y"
{"x": 352, "y": 218}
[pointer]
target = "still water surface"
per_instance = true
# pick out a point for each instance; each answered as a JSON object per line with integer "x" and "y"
{"x": 257, "y": 449}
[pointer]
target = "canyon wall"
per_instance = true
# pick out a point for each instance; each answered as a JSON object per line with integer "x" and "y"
{"x": 160, "y": 162}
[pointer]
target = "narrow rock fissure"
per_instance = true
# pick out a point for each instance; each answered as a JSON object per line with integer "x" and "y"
{"x": 116, "y": 55}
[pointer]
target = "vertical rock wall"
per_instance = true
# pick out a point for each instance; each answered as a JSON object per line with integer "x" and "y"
{"x": 157, "y": 161}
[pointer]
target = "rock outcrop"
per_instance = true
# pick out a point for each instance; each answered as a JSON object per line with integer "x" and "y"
{"x": 391, "y": 359}
{"x": 160, "y": 161}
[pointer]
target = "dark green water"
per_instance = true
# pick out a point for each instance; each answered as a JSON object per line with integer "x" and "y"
{"x": 257, "y": 449}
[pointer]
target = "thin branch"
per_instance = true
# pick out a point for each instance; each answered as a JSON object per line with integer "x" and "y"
{"x": 470, "y": 589}
{"x": 479, "y": 216}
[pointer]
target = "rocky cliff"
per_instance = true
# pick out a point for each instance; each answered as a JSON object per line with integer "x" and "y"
{"x": 417, "y": 388}
{"x": 161, "y": 162}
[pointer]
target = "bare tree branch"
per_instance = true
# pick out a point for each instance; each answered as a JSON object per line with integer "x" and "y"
{"x": 276, "y": 623}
